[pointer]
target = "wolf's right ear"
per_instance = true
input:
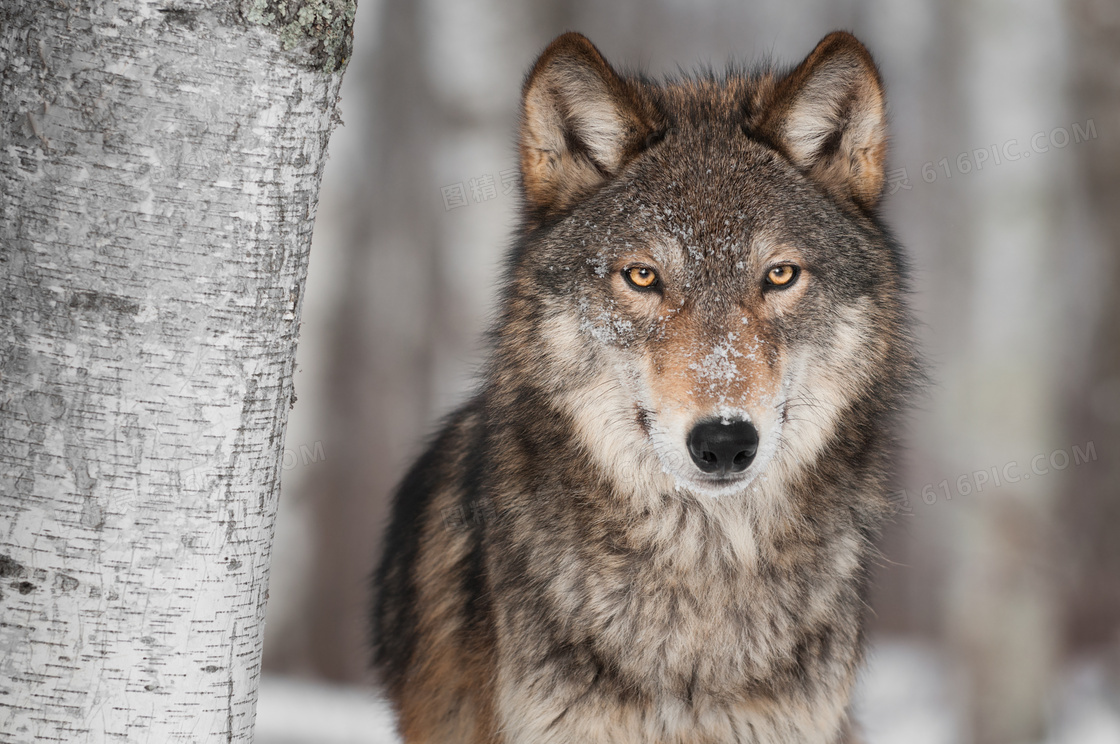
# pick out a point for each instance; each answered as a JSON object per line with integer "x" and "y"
{"x": 580, "y": 124}
{"x": 829, "y": 117}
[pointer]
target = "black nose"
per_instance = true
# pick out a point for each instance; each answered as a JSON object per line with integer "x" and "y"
{"x": 721, "y": 448}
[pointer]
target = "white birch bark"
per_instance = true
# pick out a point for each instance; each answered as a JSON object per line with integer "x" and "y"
{"x": 159, "y": 170}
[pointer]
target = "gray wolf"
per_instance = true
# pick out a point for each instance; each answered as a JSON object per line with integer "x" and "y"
{"x": 667, "y": 488}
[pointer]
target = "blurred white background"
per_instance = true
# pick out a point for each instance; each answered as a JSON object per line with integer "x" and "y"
{"x": 997, "y": 613}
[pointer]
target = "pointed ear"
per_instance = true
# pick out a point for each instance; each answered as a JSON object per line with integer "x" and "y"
{"x": 580, "y": 124}
{"x": 829, "y": 117}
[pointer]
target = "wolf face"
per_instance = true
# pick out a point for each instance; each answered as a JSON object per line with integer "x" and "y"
{"x": 702, "y": 264}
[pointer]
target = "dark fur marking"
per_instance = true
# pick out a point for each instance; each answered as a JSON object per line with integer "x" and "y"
{"x": 476, "y": 502}
{"x": 395, "y": 614}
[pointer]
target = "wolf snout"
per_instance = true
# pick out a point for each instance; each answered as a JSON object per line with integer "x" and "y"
{"x": 720, "y": 447}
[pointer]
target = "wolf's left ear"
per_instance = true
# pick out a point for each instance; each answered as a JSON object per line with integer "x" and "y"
{"x": 829, "y": 117}
{"x": 580, "y": 124}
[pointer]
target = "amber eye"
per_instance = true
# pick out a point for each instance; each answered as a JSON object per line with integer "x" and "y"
{"x": 783, "y": 275}
{"x": 640, "y": 277}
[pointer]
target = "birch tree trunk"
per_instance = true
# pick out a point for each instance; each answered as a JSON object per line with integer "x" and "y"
{"x": 159, "y": 170}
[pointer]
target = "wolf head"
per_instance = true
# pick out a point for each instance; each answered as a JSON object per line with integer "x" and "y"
{"x": 701, "y": 284}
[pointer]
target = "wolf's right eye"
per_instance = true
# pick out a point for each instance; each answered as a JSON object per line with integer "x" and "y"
{"x": 640, "y": 277}
{"x": 782, "y": 275}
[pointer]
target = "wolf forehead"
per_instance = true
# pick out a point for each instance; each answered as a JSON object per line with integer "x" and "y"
{"x": 703, "y": 150}
{"x": 704, "y": 204}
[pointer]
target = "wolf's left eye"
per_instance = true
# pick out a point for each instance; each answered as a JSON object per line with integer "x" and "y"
{"x": 783, "y": 275}
{"x": 640, "y": 277}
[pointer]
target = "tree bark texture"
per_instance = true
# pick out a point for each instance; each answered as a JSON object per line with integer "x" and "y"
{"x": 159, "y": 171}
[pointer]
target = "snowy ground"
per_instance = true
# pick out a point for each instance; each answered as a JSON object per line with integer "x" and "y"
{"x": 907, "y": 697}
{"x": 297, "y": 712}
